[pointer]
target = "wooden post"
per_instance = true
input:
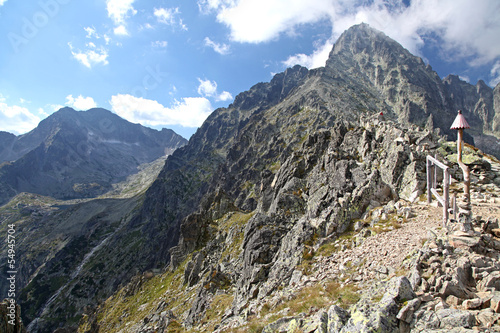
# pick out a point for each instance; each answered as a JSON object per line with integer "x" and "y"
{"x": 429, "y": 181}
{"x": 444, "y": 201}
{"x": 446, "y": 194}
{"x": 465, "y": 169}
{"x": 455, "y": 206}
{"x": 434, "y": 170}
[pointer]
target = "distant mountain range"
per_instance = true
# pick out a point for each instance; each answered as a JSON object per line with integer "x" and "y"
{"x": 74, "y": 154}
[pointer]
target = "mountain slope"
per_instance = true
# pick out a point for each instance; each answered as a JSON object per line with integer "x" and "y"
{"x": 288, "y": 167}
{"x": 79, "y": 154}
{"x": 266, "y": 191}
{"x": 56, "y": 239}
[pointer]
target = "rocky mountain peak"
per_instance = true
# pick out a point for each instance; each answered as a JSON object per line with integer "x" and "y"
{"x": 362, "y": 39}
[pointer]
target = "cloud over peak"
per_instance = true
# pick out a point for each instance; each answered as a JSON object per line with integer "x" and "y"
{"x": 208, "y": 88}
{"x": 80, "y": 102}
{"x": 16, "y": 119}
{"x": 188, "y": 112}
{"x": 460, "y": 29}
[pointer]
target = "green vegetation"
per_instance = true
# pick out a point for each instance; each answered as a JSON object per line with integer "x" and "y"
{"x": 123, "y": 308}
{"x": 393, "y": 222}
{"x": 215, "y": 311}
{"x": 316, "y": 296}
{"x": 237, "y": 222}
{"x": 343, "y": 242}
{"x": 470, "y": 154}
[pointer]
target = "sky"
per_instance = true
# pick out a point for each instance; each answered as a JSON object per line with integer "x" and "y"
{"x": 170, "y": 63}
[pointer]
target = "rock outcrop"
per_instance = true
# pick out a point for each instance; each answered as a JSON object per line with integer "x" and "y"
{"x": 10, "y": 318}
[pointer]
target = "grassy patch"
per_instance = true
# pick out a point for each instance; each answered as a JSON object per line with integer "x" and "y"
{"x": 122, "y": 308}
{"x": 275, "y": 166}
{"x": 340, "y": 244}
{"x": 216, "y": 310}
{"x": 317, "y": 296}
{"x": 392, "y": 223}
{"x": 237, "y": 221}
{"x": 345, "y": 296}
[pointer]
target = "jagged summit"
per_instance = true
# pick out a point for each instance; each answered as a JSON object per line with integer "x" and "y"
{"x": 413, "y": 91}
{"x": 362, "y": 38}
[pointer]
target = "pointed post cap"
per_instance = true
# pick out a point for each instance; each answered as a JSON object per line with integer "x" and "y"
{"x": 459, "y": 122}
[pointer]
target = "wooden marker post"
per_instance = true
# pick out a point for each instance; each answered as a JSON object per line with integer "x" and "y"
{"x": 460, "y": 124}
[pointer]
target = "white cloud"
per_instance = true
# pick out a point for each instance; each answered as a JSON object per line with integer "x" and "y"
{"x": 166, "y": 15}
{"x": 208, "y": 88}
{"x": 91, "y": 32}
{"x": 2, "y": 2}
{"x": 90, "y": 57}
{"x": 169, "y": 16}
{"x": 224, "y": 96}
{"x": 80, "y": 103}
{"x": 121, "y": 30}
{"x": 464, "y": 78}
{"x": 147, "y": 26}
{"x": 189, "y": 112}
{"x": 119, "y": 11}
{"x": 316, "y": 59}
{"x": 159, "y": 44}
{"x": 42, "y": 112}
{"x": 16, "y": 119}
{"x": 55, "y": 107}
{"x": 495, "y": 74}
{"x": 257, "y": 21}
{"x": 219, "y": 48}
{"x": 462, "y": 29}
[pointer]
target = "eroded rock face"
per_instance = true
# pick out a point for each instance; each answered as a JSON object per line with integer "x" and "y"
{"x": 314, "y": 195}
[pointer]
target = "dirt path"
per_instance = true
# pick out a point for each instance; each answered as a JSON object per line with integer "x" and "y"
{"x": 382, "y": 254}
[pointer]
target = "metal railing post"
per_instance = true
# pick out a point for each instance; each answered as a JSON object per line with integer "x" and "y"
{"x": 429, "y": 181}
{"x": 431, "y": 165}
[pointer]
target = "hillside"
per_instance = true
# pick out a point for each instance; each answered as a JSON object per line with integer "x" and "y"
{"x": 236, "y": 215}
{"x": 395, "y": 270}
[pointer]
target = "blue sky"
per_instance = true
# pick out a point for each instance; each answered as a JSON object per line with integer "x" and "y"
{"x": 171, "y": 63}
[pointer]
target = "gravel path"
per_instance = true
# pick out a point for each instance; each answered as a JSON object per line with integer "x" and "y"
{"x": 381, "y": 255}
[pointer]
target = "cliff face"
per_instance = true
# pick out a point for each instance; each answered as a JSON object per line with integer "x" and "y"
{"x": 290, "y": 166}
